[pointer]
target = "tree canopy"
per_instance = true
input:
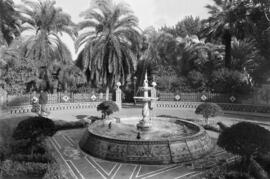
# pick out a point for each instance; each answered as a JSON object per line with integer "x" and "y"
{"x": 108, "y": 43}
{"x": 42, "y": 27}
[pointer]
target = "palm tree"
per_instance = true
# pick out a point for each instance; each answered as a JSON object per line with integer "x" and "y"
{"x": 9, "y": 22}
{"x": 188, "y": 26}
{"x": 43, "y": 25}
{"x": 228, "y": 19}
{"x": 244, "y": 55}
{"x": 107, "y": 43}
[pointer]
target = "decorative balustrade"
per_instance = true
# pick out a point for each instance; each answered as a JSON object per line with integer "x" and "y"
{"x": 255, "y": 98}
{"x": 224, "y": 106}
{"x": 56, "y": 107}
{"x": 22, "y": 100}
{"x": 21, "y": 104}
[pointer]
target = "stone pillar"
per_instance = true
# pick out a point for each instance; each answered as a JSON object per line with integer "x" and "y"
{"x": 101, "y": 96}
{"x": 3, "y": 99}
{"x": 154, "y": 90}
{"x": 118, "y": 95}
{"x": 134, "y": 88}
{"x": 153, "y": 95}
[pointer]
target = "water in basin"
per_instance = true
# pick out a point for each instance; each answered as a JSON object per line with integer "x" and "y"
{"x": 126, "y": 130}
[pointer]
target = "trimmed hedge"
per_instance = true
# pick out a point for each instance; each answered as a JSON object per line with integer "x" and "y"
{"x": 39, "y": 158}
{"x": 63, "y": 125}
{"x": 15, "y": 168}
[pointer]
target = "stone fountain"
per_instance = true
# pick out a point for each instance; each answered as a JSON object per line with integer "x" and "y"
{"x": 144, "y": 124}
{"x": 152, "y": 140}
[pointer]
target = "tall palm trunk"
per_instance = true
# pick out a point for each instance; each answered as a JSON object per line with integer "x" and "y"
{"x": 227, "y": 38}
{"x": 107, "y": 93}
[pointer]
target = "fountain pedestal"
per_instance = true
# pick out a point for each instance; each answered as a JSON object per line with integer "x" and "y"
{"x": 144, "y": 124}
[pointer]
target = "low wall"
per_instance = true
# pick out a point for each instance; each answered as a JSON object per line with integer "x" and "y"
{"x": 260, "y": 96}
{"x": 158, "y": 104}
{"x": 224, "y": 106}
{"x": 21, "y": 100}
{"x": 56, "y": 107}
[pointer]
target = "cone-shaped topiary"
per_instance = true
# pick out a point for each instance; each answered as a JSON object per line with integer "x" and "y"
{"x": 107, "y": 108}
{"x": 208, "y": 110}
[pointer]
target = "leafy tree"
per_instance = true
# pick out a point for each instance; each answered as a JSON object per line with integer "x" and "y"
{"x": 228, "y": 19}
{"x": 153, "y": 54}
{"x": 258, "y": 15}
{"x": 8, "y": 56}
{"x": 208, "y": 110}
{"x": 107, "y": 108}
{"x": 197, "y": 80}
{"x": 145, "y": 66}
{"x": 264, "y": 5}
{"x": 15, "y": 71}
{"x": 230, "y": 81}
{"x": 166, "y": 77}
{"x": 170, "y": 30}
{"x": 108, "y": 41}
{"x": 70, "y": 77}
{"x": 9, "y": 22}
{"x": 187, "y": 27}
{"x": 198, "y": 55}
{"x": 65, "y": 78}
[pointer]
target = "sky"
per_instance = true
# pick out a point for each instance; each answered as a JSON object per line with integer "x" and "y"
{"x": 155, "y": 13}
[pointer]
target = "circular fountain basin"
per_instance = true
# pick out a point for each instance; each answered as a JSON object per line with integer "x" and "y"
{"x": 168, "y": 141}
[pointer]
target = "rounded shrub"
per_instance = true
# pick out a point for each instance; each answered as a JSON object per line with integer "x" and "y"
{"x": 245, "y": 139}
{"x": 35, "y": 129}
{"x": 107, "y": 108}
{"x": 208, "y": 110}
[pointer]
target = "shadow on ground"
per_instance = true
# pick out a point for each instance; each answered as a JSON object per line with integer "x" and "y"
{"x": 81, "y": 116}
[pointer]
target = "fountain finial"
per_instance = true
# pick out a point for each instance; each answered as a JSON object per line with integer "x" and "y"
{"x": 145, "y": 80}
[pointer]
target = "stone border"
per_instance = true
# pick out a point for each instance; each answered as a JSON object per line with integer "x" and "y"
{"x": 154, "y": 152}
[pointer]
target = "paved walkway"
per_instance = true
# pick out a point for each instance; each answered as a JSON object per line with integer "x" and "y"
{"x": 79, "y": 165}
{"x": 83, "y": 166}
